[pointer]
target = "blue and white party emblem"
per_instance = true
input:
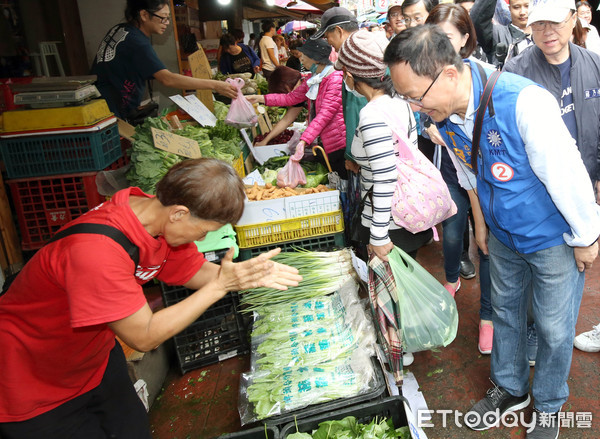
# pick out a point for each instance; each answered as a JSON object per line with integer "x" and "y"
{"x": 502, "y": 172}
{"x": 494, "y": 138}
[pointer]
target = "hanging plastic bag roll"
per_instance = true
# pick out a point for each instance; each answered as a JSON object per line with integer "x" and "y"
{"x": 241, "y": 112}
{"x": 428, "y": 313}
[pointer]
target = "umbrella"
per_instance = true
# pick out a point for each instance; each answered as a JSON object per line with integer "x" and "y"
{"x": 297, "y": 25}
{"x": 383, "y": 298}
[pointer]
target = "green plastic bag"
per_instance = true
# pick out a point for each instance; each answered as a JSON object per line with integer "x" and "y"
{"x": 223, "y": 238}
{"x": 428, "y": 313}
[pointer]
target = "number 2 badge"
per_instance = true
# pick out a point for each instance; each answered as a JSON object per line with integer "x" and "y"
{"x": 502, "y": 172}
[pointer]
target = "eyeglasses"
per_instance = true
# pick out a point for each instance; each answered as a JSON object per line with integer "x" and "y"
{"x": 163, "y": 20}
{"x": 417, "y": 19}
{"x": 541, "y": 25}
{"x": 418, "y": 102}
{"x": 395, "y": 14}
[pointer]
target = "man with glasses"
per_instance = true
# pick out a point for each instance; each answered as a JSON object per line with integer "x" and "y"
{"x": 501, "y": 42}
{"x": 416, "y": 11}
{"x": 395, "y": 17}
{"x": 126, "y": 61}
{"x": 570, "y": 73}
{"x": 530, "y": 186}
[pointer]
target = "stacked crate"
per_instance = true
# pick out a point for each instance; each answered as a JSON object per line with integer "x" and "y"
{"x": 52, "y": 157}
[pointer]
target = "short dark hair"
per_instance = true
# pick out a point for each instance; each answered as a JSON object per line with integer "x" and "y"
{"x": 134, "y": 7}
{"x": 227, "y": 40}
{"x": 348, "y": 27}
{"x": 582, "y": 3}
{"x": 459, "y": 17}
{"x": 238, "y": 34}
{"x": 426, "y": 49}
{"x": 427, "y": 3}
{"x": 267, "y": 26}
{"x": 283, "y": 79}
{"x": 201, "y": 185}
{"x": 384, "y": 83}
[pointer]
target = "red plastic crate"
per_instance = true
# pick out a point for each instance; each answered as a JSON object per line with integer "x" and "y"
{"x": 45, "y": 204}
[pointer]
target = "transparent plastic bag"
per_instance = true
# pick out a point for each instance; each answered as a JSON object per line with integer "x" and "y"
{"x": 241, "y": 112}
{"x": 291, "y": 175}
{"x": 428, "y": 313}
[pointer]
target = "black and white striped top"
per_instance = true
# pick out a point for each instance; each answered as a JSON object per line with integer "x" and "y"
{"x": 383, "y": 121}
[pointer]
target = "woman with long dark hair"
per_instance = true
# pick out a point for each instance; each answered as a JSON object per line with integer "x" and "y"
{"x": 125, "y": 60}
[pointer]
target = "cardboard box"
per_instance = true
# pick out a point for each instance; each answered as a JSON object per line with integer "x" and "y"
{"x": 263, "y": 153}
{"x": 256, "y": 212}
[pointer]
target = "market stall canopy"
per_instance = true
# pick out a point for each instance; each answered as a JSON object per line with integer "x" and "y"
{"x": 297, "y": 25}
{"x": 258, "y": 9}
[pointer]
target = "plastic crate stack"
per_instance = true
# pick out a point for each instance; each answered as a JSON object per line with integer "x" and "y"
{"x": 217, "y": 335}
{"x": 52, "y": 157}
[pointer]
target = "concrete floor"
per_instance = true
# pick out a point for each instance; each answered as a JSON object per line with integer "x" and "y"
{"x": 203, "y": 403}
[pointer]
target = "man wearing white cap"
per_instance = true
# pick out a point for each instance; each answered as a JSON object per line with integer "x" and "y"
{"x": 395, "y": 17}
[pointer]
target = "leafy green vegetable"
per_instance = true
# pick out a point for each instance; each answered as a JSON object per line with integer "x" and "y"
{"x": 149, "y": 164}
{"x": 349, "y": 428}
{"x": 221, "y": 110}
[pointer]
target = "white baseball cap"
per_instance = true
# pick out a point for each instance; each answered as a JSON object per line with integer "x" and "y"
{"x": 549, "y": 10}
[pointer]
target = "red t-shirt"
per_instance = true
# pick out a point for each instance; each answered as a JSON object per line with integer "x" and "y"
{"x": 54, "y": 337}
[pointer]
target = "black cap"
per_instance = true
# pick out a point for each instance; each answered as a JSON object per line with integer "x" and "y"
{"x": 332, "y": 17}
{"x": 317, "y": 50}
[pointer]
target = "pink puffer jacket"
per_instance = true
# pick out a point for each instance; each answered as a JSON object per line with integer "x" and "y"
{"x": 329, "y": 120}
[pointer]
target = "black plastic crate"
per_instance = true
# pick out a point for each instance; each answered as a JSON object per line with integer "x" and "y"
{"x": 315, "y": 243}
{"x": 217, "y": 335}
{"x": 379, "y": 391}
{"x": 390, "y": 408}
{"x": 254, "y": 433}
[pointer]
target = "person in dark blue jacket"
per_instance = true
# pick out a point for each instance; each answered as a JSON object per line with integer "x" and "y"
{"x": 237, "y": 57}
{"x": 530, "y": 186}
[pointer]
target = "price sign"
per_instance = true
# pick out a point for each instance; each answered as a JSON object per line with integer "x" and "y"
{"x": 176, "y": 144}
{"x": 195, "y": 108}
{"x": 200, "y": 68}
{"x": 381, "y": 5}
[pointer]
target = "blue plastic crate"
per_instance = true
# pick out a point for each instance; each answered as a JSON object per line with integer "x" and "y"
{"x": 41, "y": 155}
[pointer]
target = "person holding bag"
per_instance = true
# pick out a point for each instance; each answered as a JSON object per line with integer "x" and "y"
{"x": 384, "y": 122}
{"x": 323, "y": 92}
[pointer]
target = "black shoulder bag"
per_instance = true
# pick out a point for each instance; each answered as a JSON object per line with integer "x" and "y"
{"x": 485, "y": 102}
{"x": 99, "y": 229}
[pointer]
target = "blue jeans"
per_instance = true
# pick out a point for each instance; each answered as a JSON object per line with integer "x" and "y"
{"x": 551, "y": 276}
{"x": 452, "y": 245}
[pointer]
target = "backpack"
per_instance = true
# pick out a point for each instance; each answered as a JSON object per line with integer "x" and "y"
{"x": 99, "y": 229}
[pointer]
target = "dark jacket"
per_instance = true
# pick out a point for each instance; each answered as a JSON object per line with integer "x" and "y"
{"x": 489, "y": 35}
{"x": 226, "y": 65}
{"x": 585, "y": 82}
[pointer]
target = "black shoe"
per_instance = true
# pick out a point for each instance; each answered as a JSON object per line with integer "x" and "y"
{"x": 497, "y": 402}
{"x": 546, "y": 425}
{"x": 467, "y": 267}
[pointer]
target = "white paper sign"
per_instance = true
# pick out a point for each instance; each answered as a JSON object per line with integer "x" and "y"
{"x": 361, "y": 268}
{"x": 195, "y": 108}
{"x": 254, "y": 177}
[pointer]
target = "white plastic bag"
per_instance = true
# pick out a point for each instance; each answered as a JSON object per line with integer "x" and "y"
{"x": 241, "y": 112}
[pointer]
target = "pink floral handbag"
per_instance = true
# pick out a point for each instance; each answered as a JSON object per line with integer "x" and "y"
{"x": 421, "y": 198}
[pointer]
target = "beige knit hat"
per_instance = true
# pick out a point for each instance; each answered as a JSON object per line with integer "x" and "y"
{"x": 362, "y": 54}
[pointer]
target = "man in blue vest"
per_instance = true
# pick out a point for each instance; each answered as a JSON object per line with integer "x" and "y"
{"x": 531, "y": 188}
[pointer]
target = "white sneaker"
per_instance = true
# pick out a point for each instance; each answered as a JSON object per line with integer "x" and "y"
{"x": 588, "y": 341}
{"x": 407, "y": 359}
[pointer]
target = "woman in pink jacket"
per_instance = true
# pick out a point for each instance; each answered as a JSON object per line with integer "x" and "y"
{"x": 323, "y": 92}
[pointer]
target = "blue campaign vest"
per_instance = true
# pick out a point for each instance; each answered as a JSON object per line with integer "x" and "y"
{"x": 516, "y": 206}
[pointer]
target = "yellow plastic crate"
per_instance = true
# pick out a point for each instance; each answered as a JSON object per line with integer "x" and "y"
{"x": 238, "y": 165}
{"x": 56, "y": 118}
{"x": 254, "y": 235}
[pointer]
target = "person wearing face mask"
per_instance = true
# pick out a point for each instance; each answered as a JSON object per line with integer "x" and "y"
{"x": 125, "y": 60}
{"x": 383, "y": 122}
{"x": 323, "y": 92}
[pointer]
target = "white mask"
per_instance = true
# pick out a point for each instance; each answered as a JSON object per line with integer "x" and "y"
{"x": 352, "y": 91}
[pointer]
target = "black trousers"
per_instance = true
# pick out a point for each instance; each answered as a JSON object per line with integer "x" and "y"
{"x": 111, "y": 410}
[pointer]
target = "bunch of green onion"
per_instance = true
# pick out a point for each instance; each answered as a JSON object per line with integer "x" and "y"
{"x": 322, "y": 273}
